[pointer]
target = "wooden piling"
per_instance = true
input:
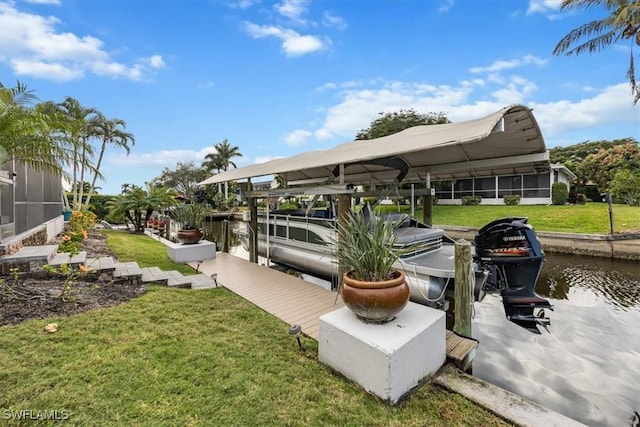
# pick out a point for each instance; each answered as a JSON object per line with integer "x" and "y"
{"x": 225, "y": 235}
{"x": 344, "y": 207}
{"x": 427, "y": 209}
{"x": 253, "y": 226}
{"x": 463, "y": 288}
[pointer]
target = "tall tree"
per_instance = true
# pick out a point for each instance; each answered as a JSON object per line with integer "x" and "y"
{"x": 623, "y": 22}
{"x": 601, "y": 166}
{"x": 184, "y": 179}
{"x": 225, "y": 152}
{"x": 110, "y": 131}
{"x": 390, "y": 123}
{"x": 80, "y": 127}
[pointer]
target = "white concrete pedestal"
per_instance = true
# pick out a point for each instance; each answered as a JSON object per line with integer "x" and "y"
{"x": 202, "y": 250}
{"x": 387, "y": 360}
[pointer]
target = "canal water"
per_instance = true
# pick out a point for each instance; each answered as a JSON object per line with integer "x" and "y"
{"x": 586, "y": 364}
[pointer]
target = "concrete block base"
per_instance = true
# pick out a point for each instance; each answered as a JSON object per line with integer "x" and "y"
{"x": 200, "y": 251}
{"x": 387, "y": 360}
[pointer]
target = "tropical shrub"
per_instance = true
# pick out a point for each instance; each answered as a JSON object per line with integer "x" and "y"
{"x": 511, "y": 199}
{"x": 559, "y": 193}
{"x": 626, "y": 187}
{"x": 471, "y": 200}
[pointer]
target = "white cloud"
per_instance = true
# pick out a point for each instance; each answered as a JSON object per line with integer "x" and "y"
{"x": 297, "y": 137}
{"x": 329, "y": 20}
{"x": 33, "y": 47}
{"x": 609, "y": 106}
{"x": 43, "y": 70}
{"x": 471, "y": 99}
{"x": 292, "y": 9}
{"x": 511, "y": 63}
{"x": 156, "y": 61}
{"x": 53, "y": 2}
{"x": 543, "y": 6}
{"x": 168, "y": 158}
{"x": 358, "y": 108}
{"x": 293, "y": 43}
{"x": 243, "y": 4}
{"x": 445, "y": 6}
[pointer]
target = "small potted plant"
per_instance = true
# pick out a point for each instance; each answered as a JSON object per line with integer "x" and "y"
{"x": 371, "y": 288}
{"x": 190, "y": 217}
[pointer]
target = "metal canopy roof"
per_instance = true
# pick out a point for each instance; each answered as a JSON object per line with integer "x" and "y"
{"x": 506, "y": 142}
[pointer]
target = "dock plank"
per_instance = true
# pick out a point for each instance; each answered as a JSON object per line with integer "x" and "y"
{"x": 293, "y": 300}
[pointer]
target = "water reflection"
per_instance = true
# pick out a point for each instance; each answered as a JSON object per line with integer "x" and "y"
{"x": 587, "y": 367}
{"x": 616, "y": 282}
{"x": 213, "y": 232}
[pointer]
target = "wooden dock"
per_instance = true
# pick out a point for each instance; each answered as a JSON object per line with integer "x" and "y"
{"x": 296, "y": 301}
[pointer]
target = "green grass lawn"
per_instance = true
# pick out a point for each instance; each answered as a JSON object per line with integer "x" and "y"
{"x": 184, "y": 357}
{"x": 589, "y": 218}
{"x": 142, "y": 249}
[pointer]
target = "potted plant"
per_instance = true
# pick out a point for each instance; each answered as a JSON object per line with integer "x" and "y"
{"x": 190, "y": 217}
{"x": 371, "y": 288}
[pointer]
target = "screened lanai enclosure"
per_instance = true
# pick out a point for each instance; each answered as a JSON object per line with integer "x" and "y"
{"x": 29, "y": 198}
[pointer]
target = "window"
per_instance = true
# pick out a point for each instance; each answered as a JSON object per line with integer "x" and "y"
{"x": 485, "y": 187}
{"x": 463, "y": 187}
{"x": 443, "y": 189}
{"x": 509, "y": 185}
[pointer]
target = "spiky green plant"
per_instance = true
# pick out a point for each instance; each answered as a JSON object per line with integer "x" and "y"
{"x": 191, "y": 216}
{"x": 364, "y": 245}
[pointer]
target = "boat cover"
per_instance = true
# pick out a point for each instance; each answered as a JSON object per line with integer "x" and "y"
{"x": 508, "y": 141}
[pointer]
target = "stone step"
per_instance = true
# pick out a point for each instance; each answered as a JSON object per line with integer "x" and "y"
{"x": 69, "y": 259}
{"x": 28, "y": 258}
{"x": 154, "y": 275}
{"x": 178, "y": 280}
{"x": 106, "y": 263}
{"x": 128, "y": 270}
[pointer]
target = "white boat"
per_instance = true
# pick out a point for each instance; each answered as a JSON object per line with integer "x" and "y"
{"x": 508, "y": 255}
{"x": 510, "y": 261}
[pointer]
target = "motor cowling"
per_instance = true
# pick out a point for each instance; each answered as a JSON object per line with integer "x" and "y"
{"x": 509, "y": 249}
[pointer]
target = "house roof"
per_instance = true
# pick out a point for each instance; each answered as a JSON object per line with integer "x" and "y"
{"x": 565, "y": 170}
{"x": 508, "y": 141}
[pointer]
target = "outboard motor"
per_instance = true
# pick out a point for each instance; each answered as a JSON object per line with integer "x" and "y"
{"x": 509, "y": 249}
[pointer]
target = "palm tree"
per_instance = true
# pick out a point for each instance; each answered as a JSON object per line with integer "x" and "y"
{"x": 622, "y": 23}
{"x": 225, "y": 153}
{"x": 138, "y": 204}
{"x": 213, "y": 162}
{"x": 111, "y": 132}
{"x": 25, "y": 131}
{"x": 80, "y": 127}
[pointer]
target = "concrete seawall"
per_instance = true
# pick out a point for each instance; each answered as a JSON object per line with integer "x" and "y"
{"x": 620, "y": 246}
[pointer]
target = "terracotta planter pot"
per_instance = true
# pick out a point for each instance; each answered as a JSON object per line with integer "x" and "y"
{"x": 189, "y": 237}
{"x": 375, "y": 302}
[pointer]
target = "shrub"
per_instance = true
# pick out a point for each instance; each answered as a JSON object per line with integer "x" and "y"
{"x": 471, "y": 200}
{"x": 559, "y": 193}
{"x": 581, "y": 199}
{"x": 512, "y": 199}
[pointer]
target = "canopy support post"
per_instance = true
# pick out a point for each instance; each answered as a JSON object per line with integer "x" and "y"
{"x": 427, "y": 203}
{"x": 253, "y": 225}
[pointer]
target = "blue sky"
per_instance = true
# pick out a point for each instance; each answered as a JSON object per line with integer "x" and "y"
{"x": 280, "y": 77}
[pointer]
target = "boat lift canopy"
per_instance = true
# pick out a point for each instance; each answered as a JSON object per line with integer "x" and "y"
{"x": 506, "y": 142}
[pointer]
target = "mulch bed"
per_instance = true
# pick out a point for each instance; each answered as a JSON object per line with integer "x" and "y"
{"x": 43, "y": 296}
